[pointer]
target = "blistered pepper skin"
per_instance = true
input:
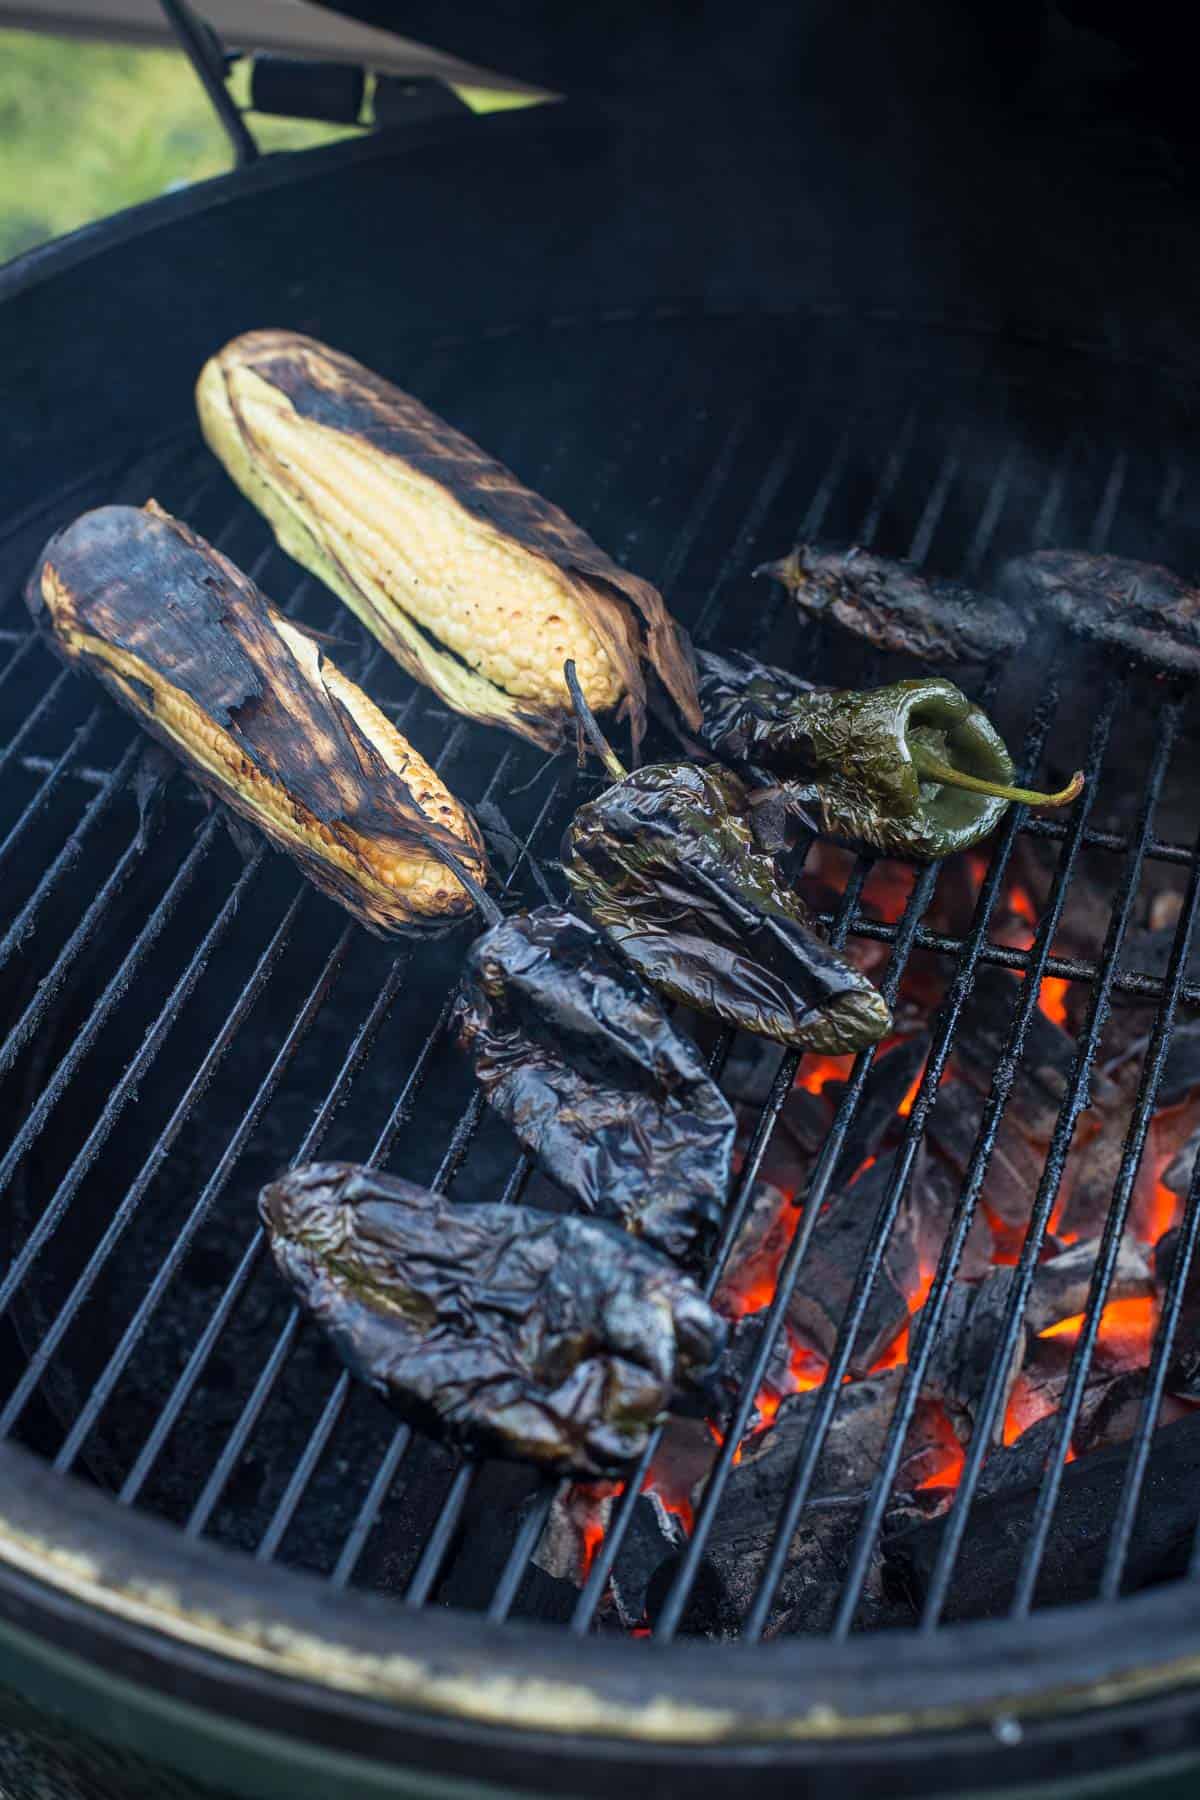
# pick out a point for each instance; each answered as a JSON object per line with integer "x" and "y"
{"x": 505, "y": 1331}
{"x": 667, "y": 863}
{"x": 577, "y": 1055}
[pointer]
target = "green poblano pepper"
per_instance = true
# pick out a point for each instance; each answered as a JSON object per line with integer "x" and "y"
{"x": 914, "y": 769}
{"x": 667, "y": 863}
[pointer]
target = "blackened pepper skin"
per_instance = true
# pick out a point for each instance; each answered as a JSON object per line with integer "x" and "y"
{"x": 581, "y": 1061}
{"x": 1138, "y": 607}
{"x": 914, "y": 769}
{"x": 892, "y": 606}
{"x": 666, "y": 862}
{"x": 508, "y": 1332}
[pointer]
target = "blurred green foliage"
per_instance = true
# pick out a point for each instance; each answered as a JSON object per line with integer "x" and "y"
{"x": 87, "y": 128}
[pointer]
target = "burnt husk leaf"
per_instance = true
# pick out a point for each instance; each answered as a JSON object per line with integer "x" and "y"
{"x": 506, "y": 1331}
{"x": 626, "y": 613}
{"x": 141, "y": 581}
{"x": 579, "y": 1058}
{"x": 665, "y": 861}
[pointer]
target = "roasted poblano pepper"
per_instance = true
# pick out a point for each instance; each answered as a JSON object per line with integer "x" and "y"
{"x": 893, "y": 606}
{"x": 666, "y": 862}
{"x": 514, "y": 1333}
{"x": 914, "y": 769}
{"x": 579, "y": 1058}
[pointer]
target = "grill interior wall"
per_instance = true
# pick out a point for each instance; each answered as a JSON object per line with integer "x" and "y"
{"x": 183, "y": 1024}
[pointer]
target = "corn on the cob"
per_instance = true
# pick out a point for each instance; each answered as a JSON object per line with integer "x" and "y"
{"x": 255, "y": 712}
{"x": 476, "y": 585}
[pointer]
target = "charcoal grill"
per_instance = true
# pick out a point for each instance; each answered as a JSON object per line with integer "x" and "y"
{"x": 214, "y": 1550}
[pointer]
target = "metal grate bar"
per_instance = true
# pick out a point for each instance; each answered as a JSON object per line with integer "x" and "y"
{"x": 25, "y": 644}
{"x": 182, "y": 1391}
{"x": 21, "y": 927}
{"x": 935, "y": 506}
{"x": 61, "y": 1199}
{"x": 1073, "y": 1105}
{"x": 457, "y": 1151}
{"x": 609, "y": 1549}
{"x": 303, "y": 1473}
{"x": 921, "y": 1349}
{"x": 1164, "y": 1338}
{"x": 1156, "y": 849}
{"x": 124, "y": 1213}
{"x": 676, "y": 1598}
{"x": 53, "y": 780}
{"x": 991, "y": 515}
{"x": 1002, "y": 956}
{"x": 367, "y": 1516}
{"x": 115, "y": 1366}
{"x": 50, "y": 983}
{"x": 736, "y": 556}
{"x": 58, "y": 1083}
{"x": 893, "y": 468}
{"x": 441, "y": 1537}
{"x": 1110, "y": 1244}
{"x": 311, "y": 1142}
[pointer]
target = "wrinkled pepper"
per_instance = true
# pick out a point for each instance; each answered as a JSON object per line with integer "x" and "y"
{"x": 893, "y": 606}
{"x": 914, "y": 769}
{"x": 508, "y": 1332}
{"x": 579, "y": 1058}
{"x": 667, "y": 862}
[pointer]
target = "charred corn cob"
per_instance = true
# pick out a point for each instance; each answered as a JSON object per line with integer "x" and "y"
{"x": 256, "y": 712}
{"x": 477, "y": 586}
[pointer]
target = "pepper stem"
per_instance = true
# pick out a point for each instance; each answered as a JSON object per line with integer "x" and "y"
{"x": 932, "y": 768}
{"x": 484, "y": 903}
{"x": 590, "y": 728}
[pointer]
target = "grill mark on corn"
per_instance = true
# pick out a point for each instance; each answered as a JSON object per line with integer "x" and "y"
{"x": 256, "y": 712}
{"x": 415, "y": 527}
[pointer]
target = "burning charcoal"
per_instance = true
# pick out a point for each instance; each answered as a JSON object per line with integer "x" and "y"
{"x": 1181, "y": 1074}
{"x": 805, "y": 1119}
{"x": 1046, "y": 1060}
{"x": 1111, "y": 1410}
{"x": 744, "y": 1528}
{"x": 1178, "y": 1173}
{"x": 1015, "y": 1166}
{"x": 785, "y": 1166}
{"x": 778, "y": 1380}
{"x": 967, "y": 1345}
{"x": 751, "y": 1069}
{"x": 1183, "y": 1373}
{"x": 1060, "y": 1286}
{"x": 927, "y": 1215}
{"x": 1021, "y": 1464}
{"x": 892, "y": 1075}
{"x": 829, "y": 1270}
{"x": 573, "y": 1533}
{"x": 998, "y": 1531}
{"x": 748, "y": 1283}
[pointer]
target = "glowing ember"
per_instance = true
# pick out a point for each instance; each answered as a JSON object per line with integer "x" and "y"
{"x": 1052, "y": 998}
{"x": 1125, "y": 1325}
{"x": 1021, "y": 903}
{"x": 1026, "y": 1405}
{"x": 592, "y": 1535}
{"x": 815, "y": 1071}
{"x": 906, "y": 1105}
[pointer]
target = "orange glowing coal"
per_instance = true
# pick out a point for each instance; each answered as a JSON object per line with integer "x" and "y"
{"x": 1052, "y": 998}
{"x": 1026, "y": 1405}
{"x": 815, "y": 1071}
{"x": 1125, "y": 1325}
{"x": 592, "y": 1535}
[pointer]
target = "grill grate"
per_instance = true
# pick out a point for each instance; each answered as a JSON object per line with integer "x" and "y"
{"x": 179, "y": 1023}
